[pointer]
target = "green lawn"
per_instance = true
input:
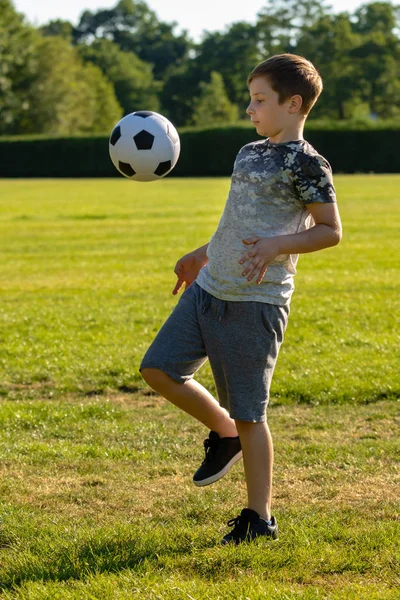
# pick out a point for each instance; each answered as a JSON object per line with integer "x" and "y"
{"x": 86, "y": 275}
{"x": 96, "y": 499}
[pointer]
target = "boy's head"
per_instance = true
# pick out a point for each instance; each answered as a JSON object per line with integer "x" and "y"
{"x": 283, "y": 90}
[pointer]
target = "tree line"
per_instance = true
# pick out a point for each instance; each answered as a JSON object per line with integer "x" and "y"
{"x": 62, "y": 79}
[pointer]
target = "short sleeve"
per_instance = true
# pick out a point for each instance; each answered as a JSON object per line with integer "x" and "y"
{"x": 313, "y": 179}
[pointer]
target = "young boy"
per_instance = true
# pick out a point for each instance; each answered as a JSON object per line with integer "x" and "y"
{"x": 238, "y": 287}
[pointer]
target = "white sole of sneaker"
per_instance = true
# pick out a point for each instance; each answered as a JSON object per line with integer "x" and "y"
{"x": 221, "y": 473}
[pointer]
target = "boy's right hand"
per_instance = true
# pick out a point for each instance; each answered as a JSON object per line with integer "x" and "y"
{"x": 186, "y": 269}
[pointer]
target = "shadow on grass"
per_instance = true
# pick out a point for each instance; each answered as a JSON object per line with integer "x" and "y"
{"x": 103, "y": 553}
{"x": 326, "y": 545}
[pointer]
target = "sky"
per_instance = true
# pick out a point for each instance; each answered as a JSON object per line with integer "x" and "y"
{"x": 195, "y": 17}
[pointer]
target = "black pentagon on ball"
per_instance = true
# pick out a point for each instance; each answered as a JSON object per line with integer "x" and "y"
{"x": 143, "y": 113}
{"x": 126, "y": 169}
{"x": 116, "y": 134}
{"x": 163, "y": 168}
{"x": 144, "y": 140}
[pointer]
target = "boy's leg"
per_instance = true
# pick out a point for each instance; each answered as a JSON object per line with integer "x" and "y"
{"x": 255, "y": 520}
{"x": 243, "y": 361}
{"x": 176, "y": 353}
{"x": 168, "y": 366}
{"x": 258, "y": 456}
{"x": 194, "y": 399}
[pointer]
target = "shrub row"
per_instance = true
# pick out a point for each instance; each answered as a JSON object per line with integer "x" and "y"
{"x": 206, "y": 152}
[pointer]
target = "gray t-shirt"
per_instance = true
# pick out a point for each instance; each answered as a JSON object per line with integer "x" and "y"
{"x": 271, "y": 186}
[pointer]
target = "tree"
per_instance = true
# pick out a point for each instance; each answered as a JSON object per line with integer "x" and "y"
{"x": 327, "y": 43}
{"x": 127, "y": 18}
{"x": 358, "y": 57}
{"x": 66, "y": 97}
{"x": 233, "y": 54}
{"x": 378, "y": 57}
{"x": 376, "y": 17}
{"x": 64, "y": 79}
{"x": 281, "y": 22}
{"x": 135, "y": 28}
{"x": 378, "y": 72}
{"x": 104, "y": 108}
{"x": 59, "y": 28}
{"x": 213, "y": 106}
{"x": 179, "y": 92}
{"x": 17, "y": 66}
{"x": 132, "y": 78}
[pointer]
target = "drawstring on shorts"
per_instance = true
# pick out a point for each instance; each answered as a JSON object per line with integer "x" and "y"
{"x": 221, "y": 305}
{"x": 206, "y": 302}
{"x": 221, "y": 309}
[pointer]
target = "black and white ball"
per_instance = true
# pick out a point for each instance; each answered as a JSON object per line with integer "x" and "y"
{"x": 144, "y": 146}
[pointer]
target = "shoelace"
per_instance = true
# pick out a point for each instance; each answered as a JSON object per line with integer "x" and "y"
{"x": 240, "y": 525}
{"x": 209, "y": 448}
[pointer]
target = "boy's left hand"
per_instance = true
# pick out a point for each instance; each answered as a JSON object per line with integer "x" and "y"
{"x": 264, "y": 251}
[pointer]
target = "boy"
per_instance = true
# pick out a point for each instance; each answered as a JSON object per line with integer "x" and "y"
{"x": 235, "y": 306}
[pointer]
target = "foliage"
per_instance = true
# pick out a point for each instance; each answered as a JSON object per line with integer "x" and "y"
{"x": 66, "y": 97}
{"x": 212, "y": 105}
{"x": 151, "y": 64}
{"x": 131, "y": 78}
{"x": 359, "y": 63}
{"x": 58, "y": 27}
{"x": 232, "y": 53}
{"x": 378, "y": 57}
{"x": 135, "y": 28}
{"x": 329, "y": 42}
{"x": 281, "y": 23}
{"x": 17, "y": 66}
{"x": 102, "y": 105}
{"x": 178, "y": 106}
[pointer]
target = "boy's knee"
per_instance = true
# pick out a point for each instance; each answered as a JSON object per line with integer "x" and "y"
{"x": 154, "y": 377}
{"x": 150, "y": 374}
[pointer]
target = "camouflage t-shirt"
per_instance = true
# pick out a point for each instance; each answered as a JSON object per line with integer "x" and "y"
{"x": 271, "y": 186}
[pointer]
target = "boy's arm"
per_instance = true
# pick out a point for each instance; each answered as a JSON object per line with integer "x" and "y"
{"x": 187, "y": 268}
{"x": 202, "y": 253}
{"x": 326, "y": 232}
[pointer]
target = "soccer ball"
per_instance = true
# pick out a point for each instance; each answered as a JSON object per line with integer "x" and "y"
{"x": 144, "y": 146}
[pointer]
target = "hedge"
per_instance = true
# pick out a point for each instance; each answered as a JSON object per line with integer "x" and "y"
{"x": 204, "y": 152}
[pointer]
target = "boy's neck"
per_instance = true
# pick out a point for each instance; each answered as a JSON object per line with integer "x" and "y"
{"x": 289, "y": 134}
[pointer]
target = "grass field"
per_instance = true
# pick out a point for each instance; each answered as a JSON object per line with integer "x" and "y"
{"x": 96, "y": 499}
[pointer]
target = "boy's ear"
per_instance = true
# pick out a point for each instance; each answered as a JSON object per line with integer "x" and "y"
{"x": 296, "y": 102}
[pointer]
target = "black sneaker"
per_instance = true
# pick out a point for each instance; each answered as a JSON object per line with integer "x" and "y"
{"x": 221, "y": 455}
{"x": 248, "y": 526}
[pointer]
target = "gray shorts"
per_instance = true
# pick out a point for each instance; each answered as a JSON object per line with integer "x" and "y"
{"x": 240, "y": 339}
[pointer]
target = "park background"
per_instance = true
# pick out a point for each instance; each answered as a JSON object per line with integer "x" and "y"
{"x": 64, "y": 78}
{"x": 96, "y": 498}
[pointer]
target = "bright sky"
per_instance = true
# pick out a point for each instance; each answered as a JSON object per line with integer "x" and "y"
{"x": 209, "y": 15}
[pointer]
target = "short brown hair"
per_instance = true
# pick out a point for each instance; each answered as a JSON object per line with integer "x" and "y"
{"x": 288, "y": 75}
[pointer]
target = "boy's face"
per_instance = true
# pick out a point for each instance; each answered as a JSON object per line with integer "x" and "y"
{"x": 270, "y": 118}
